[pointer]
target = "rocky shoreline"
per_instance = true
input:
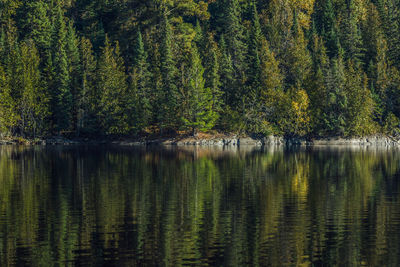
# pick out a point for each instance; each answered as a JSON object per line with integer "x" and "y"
{"x": 216, "y": 141}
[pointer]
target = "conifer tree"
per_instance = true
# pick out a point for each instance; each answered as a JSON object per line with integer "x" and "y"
{"x": 112, "y": 86}
{"x": 33, "y": 105}
{"x": 87, "y": 95}
{"x": 316, "y": 87}
{"x": 334, "y": 114}
{"x": 329, "y": 29}
{"x": 226, "y": 72}
{"x": 72, "y": 51}
{"x": 168, "y": 95}
{"x": 199, "y": 113}
{"x": 140, "y": 96}
{"x": 351, "y": 36}
{"x": 8, "y": 114}
{"x": 297, "y": 58}
{"x": 212, "y": 73}
{"x": 37, "y": 26}
{"x": 61, "y": 96}
{"x": 236, "y": 47}
{"x": 271, "y": 77}
{"x": 360, "y": 103}
{"x": 254, "y": 63}
{"x": 87, "y": 101}
{"x": 392, "y": 26}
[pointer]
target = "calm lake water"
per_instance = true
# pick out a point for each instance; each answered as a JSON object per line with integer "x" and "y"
{"x": 114, "y": 206}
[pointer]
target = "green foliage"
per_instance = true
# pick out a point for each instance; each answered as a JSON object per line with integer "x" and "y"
{"x": 291, "y": 67}
{"x": 34, "y": 102}
{"x": 139, "y": 104}
{"x": 112, "y": 87}
{"x": 168, "y": 93}
{"x": 198, "y": 104}
{"x": 360, "y": 104}
{"x": 334, "y": 113}
{"x": 61, "y": 96}
{"x": 87, "y": 96}
{"x": 8, "y": 114}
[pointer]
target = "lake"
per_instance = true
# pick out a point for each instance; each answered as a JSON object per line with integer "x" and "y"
{"x": 125, "y": 206}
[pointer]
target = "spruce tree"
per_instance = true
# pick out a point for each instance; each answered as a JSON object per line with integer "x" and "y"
{"x": 351, "y": 36}
{"x": 329, "y": 29}
{"x": 61, "y": 96}
{"x": 360, "y": 103}
{"x": 36, "y": 25}
{"x": 392, "y": 26}
{"x": 140, "y": 106}
{"x": 8, "y": 112}
{"x": 112, "y": 87}
{"x": 87, "y": 100}
{"x": 226, "y": 72}
{"x": 297, "y": 60}
{"x": 254, "y": 45}
{"x": 315, "y": 84}
{"x": 334, "y": 113}
{"x": 33, "y": 105}
{"x": 199, "y": 113}
{"x": 212, "y": 73}
{"x": 236, "y": 48}
{"x": 72, "y": 51}
{"x": 168, "y": 95}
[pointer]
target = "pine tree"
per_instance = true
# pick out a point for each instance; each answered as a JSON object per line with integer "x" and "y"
{"x": 168, "y": 100}
{"x": 236, "y": 47}
{"x": 392, "y": 27}
{"x": 212, "y": 73}
{"x": 351, "y": 36}
{"x": 360, "y": 103}
{"x": 271, "y": 77}
{"x": 90, "y": 19}
{"x": 329, "y": 29}
{"x": 226, "y": 72}
{"x": 112, "y": 87}
{"x": 87, "y": 95}
{"x": 74, "y": 65}
{"x": 271, "y": 80}
{"x": 199, "y": 113}
{"x": 33, "y": 105}
{"x": 140, "y": 105}
{"x": 61, "y": 96}
{"x": 316, "y": 87}
{"x": 8, "y": 114}
{"x": 36, "y": 25}
{"x": 334, "y": 114}
{"x": 297, "y": 60}
{"x": 254, "y": 45}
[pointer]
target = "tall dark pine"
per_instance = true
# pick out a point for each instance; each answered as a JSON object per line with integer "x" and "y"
{"x": 351, "y": 36}
{"x": 236, "y": 47}
{"x": 168, "y": 94}
{"x": 226, "y": 73}
{"x": 254, "y": 45}
{"x": 61, "y": 96}
{"x": 112, "y": 86}
{"x": 329, "y": 29}
{"x": 140, "y": 90}
{"x": 74, "y": 69}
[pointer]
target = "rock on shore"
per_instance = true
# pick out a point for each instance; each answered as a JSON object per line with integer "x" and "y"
{"x": 222, "y": 141}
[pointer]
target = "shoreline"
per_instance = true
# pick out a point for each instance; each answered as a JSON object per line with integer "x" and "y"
{"x": 219, "y": 141}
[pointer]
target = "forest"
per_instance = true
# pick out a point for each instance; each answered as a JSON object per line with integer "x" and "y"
{"x": 296, "y": 68}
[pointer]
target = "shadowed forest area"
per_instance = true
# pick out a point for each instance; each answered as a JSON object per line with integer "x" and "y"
{"x": 134, "y": 67}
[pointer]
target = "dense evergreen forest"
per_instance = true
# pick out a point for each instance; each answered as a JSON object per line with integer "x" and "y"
{"x": 134, "y": 67}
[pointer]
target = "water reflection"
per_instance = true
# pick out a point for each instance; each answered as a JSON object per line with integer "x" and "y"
{"x": 198, "y": 206}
